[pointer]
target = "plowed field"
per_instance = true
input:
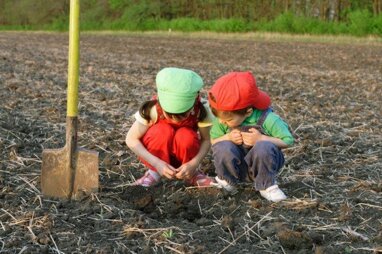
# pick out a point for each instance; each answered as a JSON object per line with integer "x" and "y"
{"x": 330, "y": 94}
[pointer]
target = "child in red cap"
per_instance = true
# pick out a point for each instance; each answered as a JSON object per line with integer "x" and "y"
{"x": 171, "y": 133}
{"x": 247, "y": 137}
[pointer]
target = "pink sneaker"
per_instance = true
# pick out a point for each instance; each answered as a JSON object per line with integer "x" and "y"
{"x": 201, "y": 180}
{"x": 150, "y": 178}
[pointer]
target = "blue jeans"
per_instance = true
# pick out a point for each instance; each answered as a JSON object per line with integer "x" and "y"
{"x": 258, "y": 164}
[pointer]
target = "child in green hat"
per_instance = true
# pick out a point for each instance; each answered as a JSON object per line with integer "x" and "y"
{"x": 171, "y": 133}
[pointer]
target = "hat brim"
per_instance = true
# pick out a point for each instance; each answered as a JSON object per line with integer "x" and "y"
{"x": 262, "y": 101}
{"x": 175, "y": 104}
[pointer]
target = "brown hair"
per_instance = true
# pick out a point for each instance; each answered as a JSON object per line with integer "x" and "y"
{"x": 145, "y": 108}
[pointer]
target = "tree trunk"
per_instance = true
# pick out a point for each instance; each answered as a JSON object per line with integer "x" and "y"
{"x": 377, "y": 5}
{"x": 307, "y": 10}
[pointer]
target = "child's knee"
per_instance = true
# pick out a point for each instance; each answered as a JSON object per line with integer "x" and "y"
{"x": 162, "y": 130}
{"x": 225, "y": 149}
{"x": 160, "y": 133}
{"x": 264, "y": 148}
{"x": 186, "y": 137}
{"x": 265, "y": 152}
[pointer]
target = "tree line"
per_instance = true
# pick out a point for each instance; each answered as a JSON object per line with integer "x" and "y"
{"x": 109, "y": 14}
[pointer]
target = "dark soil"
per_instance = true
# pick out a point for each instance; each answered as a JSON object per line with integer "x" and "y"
{"x": 330, "y": 94}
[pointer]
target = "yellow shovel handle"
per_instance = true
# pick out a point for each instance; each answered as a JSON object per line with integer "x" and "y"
{"x": 74, "y": 55}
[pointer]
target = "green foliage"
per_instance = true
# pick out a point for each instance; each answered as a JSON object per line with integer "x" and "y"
{"x": 193, "y": 25}
{"x": 230, "y": 25}
{"x": 376, "y": 26}
{"x": 360, "y": 22}
{"x": 140, "y": 15}
{"x": 118, "y": 4}
{"x": 186, "y": 25}
{"x": 289, "y": 23}
{"x": 59, "y": 24}
{"x": 141, "y": 11}
{"x": 168, "y": 234}
{"x": 15, "y": 27}
{"x": 355, "y": 17}
{"x": 27, "y": 13}
{"x": 360, "y": 5}
{"x": 283, "y": 23}
{"x": 92, "y": 15}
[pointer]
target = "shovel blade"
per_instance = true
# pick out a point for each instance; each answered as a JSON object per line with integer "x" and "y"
{"x": 86, "y": 178}
{"x": 56, "y": 174}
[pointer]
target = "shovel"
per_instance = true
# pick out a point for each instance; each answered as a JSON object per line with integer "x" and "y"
{"x": 70, "y": 172}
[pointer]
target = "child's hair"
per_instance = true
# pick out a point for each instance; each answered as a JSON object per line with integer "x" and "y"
{"x": 145, "y": 108}
{"x": 240, "y": 112}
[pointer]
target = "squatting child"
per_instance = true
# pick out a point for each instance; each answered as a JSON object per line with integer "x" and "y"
{"x": 247, "y": 137}
{"x": 171, "y": 132}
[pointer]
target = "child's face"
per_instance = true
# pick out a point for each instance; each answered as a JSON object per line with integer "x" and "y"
{"x": 177, "y": 118}
{"x": 233, "y": 120}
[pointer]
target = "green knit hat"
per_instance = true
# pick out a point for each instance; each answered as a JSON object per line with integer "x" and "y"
{"x": 177, "y": 89}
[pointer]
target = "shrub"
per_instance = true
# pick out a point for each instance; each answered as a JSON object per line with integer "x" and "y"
{"x": 229, "y": 25}
{"x": 185, "y": 24}
{"x": 283, "y": 23}
{"x": 59, "y": 24}
{"x": 376, "y": 26}
{"x": 360, "y": 22}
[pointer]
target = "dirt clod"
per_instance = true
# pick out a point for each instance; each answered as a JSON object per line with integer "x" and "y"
{"x": 294, "y": 240}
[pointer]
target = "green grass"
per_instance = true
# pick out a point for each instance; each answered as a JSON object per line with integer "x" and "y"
{"x": 360, "y": 23}
{"x": 15, "y": 28}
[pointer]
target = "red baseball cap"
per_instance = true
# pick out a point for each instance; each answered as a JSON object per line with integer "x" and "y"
{"x": 237, "y": 90}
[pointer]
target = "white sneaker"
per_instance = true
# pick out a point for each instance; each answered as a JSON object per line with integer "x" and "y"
{"x": 273, "y": 194}
{"x": 225, "y": 185}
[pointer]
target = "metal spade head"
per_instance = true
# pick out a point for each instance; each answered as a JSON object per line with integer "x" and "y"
{"x": 69, "y": 172}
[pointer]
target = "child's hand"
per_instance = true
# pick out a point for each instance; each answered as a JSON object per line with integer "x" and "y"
{"x": 235, "y": 137}
{"x": 165, "y": 170}
{"x": 251, "y": 137}
{"x": 186, "y": 171}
